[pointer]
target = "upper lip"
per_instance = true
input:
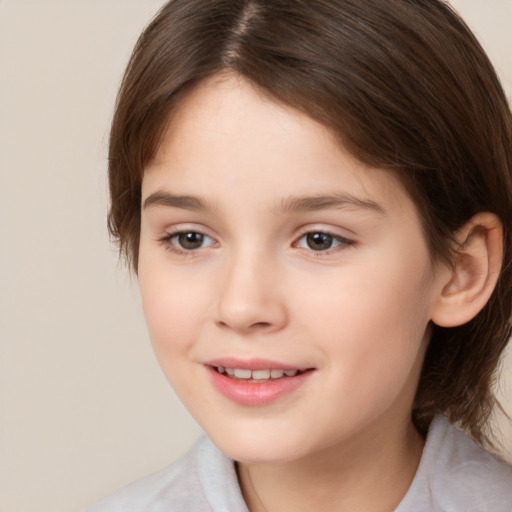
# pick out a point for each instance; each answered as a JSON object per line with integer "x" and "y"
{"x": 253, "y": 364}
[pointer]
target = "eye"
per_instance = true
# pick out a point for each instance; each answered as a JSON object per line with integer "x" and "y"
{"x": 320, "y": 241}
{"x": 188, "y": 240}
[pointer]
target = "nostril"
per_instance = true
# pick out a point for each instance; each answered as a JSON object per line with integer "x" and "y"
{"x": 260, "y": 325}
{"x": 250, "y": 327}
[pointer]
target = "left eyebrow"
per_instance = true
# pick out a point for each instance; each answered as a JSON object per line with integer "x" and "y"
{"x": 327, "y": 202}
{"x": 162, "y": 198}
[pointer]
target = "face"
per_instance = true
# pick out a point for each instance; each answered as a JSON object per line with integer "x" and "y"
{"x": 287, "y": 287}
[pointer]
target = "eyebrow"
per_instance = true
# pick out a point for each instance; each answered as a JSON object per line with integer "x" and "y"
{"x": 288, "y": 205}
{"x": 328, "y": 202}
{"x": 162, "y": 198}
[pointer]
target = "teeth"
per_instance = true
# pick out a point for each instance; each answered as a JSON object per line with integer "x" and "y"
{"x": 261, "y": 374}
{"x": 240, "y": 373}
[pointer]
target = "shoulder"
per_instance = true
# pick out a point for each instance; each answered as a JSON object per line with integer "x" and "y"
{"x": 203, "y": 480}
{"x": 456, "y": 475}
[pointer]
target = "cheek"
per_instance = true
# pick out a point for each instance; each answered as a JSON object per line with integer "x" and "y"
{"x": 372, "y": 317}
{"x": 171, "y": 313}
{"x": 171, "y": 304}
{"x": 368, "y": 299}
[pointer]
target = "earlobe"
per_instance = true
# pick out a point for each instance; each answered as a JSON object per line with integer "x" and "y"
{"x": 473, "y": 275}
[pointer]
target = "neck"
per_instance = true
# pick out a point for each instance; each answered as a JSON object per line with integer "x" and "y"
{"x": 370, "y": 474}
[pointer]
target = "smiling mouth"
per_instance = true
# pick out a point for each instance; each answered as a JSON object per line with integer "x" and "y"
{"x": 256, "y": 382}
{"x": 261, "y": 376}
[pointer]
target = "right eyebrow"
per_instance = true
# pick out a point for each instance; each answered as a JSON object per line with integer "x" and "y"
{"x": 162, "y": 198}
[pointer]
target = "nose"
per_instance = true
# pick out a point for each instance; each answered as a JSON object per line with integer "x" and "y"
{"x": 251, "y": 298}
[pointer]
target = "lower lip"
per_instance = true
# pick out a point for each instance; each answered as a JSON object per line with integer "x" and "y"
{"x": 256, "y": 393}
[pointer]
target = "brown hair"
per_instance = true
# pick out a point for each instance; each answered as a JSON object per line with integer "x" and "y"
{"x": 404, "y": 84}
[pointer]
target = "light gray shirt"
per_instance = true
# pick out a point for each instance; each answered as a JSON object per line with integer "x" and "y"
{"x": 454, "y": 475}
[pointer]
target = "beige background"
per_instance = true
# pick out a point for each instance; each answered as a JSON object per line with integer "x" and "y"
{"x": 84, "y": 407}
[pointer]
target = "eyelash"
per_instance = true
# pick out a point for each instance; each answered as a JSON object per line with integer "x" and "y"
{"x": 342, "y": 242}
{"x": 167, "y": 242}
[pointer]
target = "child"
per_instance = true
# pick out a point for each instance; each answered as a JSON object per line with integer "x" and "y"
{"x": 316, "y": 196}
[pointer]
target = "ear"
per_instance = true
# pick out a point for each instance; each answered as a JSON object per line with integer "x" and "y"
{"x": 470, "y": 281}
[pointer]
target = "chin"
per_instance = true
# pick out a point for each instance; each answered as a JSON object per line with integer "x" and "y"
{"x": 258, "y": 446}
{"x": 268, "y": 454}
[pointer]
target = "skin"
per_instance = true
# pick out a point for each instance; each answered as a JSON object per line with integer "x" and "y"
{"x": 357, "y": 313}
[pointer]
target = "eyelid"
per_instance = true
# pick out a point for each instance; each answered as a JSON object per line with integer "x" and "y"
{"x": 185, "y": 227}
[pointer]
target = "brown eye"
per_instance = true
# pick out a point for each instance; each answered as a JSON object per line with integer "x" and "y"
{"x": 319, "y": 241}
{"x": 190, "y": 240}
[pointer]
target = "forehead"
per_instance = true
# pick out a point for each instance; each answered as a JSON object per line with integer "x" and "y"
{"x": 228, "y": 131}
